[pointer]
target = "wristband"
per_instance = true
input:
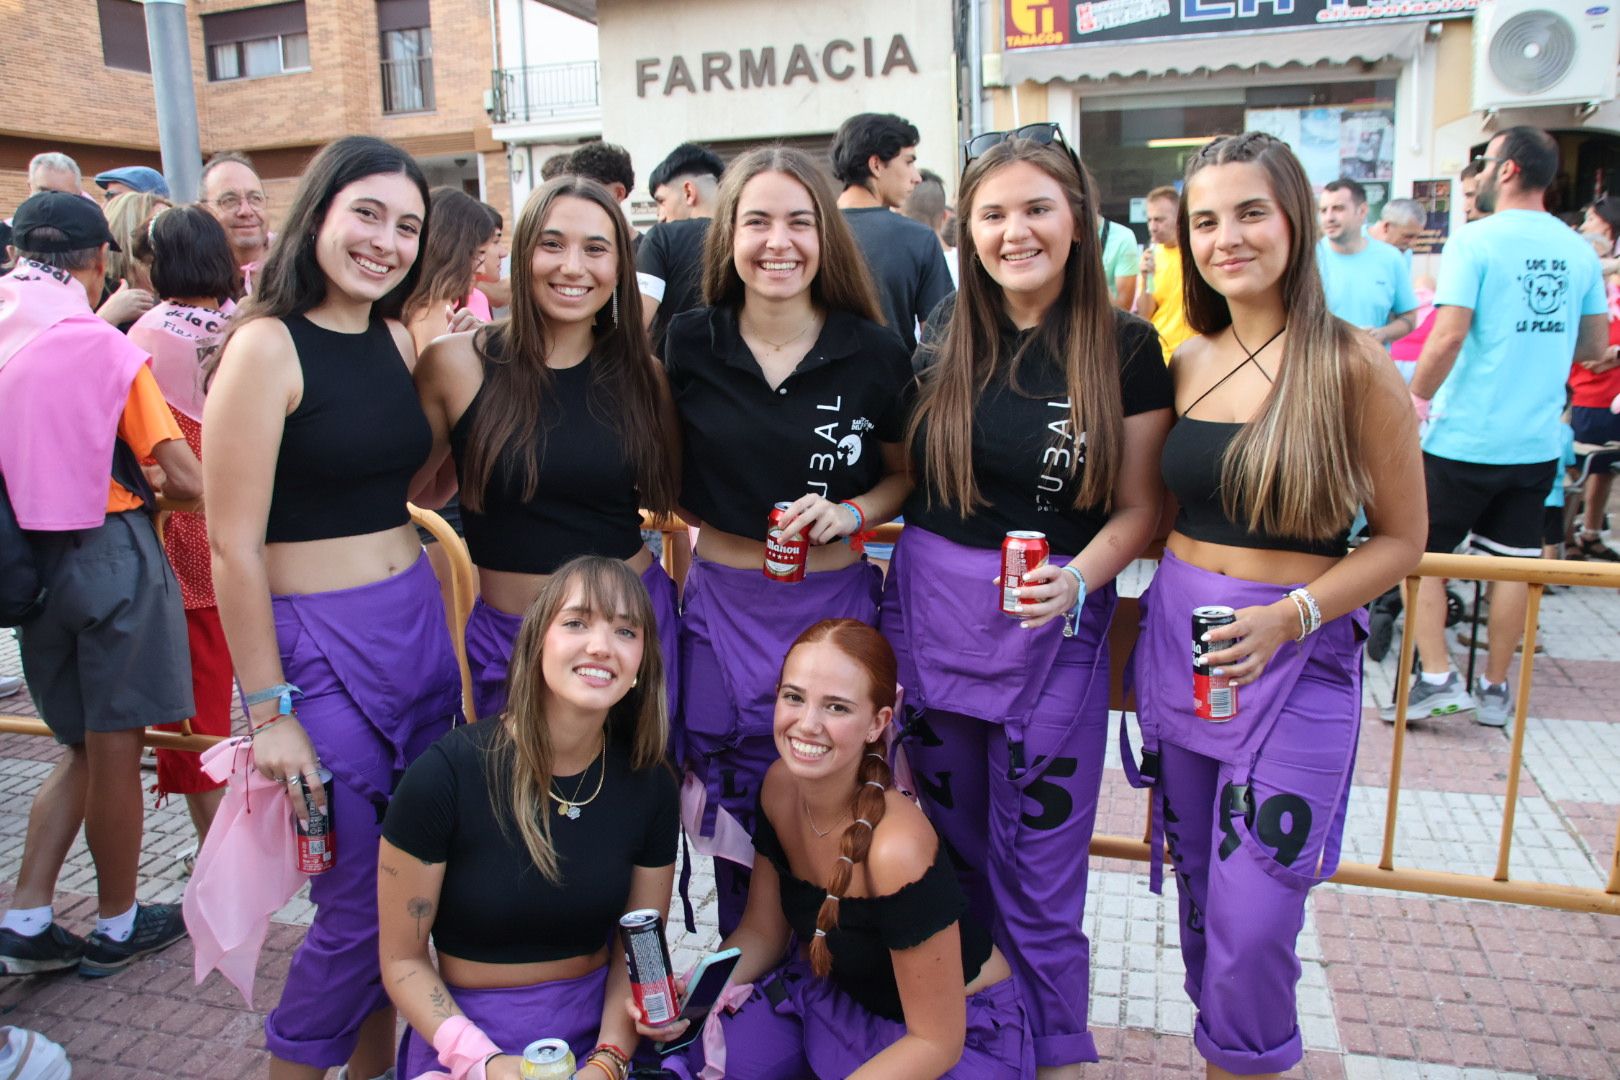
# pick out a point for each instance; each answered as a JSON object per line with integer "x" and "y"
{"x": 860, "y": 518}
{"x": 463, "y": 1048}
{"x": 270, "y": 723}
{"x": 1308, "y": 604}
{"x": 1071, "y": 618}
{"x": 593, "y": 1060}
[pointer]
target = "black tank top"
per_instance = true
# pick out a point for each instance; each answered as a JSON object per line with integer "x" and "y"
{"x": 349, "y": 450}
{"x": 1191, "y": 466}
{"x": 585, "y": 500}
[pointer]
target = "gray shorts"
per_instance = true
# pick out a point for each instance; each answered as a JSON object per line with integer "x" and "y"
{"x": 109, "y": 651}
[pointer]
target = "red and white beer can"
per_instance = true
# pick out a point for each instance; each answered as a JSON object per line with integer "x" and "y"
{"x": 1214, "y": 696}
{"x": 1021, "y": 552}
{"x": 317, "y": 841}
{"x": 784, "y": 559}
{"x": 652, "y": 979}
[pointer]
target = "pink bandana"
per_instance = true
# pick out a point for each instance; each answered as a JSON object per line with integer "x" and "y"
{"x": 181, "y": 339}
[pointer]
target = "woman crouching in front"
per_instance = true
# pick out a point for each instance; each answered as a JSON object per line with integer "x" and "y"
{"x": 893, "y": 977}
{"x": 518, "y": 842}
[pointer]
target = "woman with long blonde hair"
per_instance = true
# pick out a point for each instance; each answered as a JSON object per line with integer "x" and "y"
{"x": 1041, "y": 408}
{"x": 788, "y": 390}
{"x": 1290, "y": 419}
{"x": 518, "y": 842}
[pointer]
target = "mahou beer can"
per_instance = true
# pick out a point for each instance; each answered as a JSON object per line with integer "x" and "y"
{"x": 547, "y": 1059}
{"x": 1214, "y": 696}
{"x": 1020, "y": 553}
{"x": 317, "y": 843}
{"x": 784, "y": 559}
{"x": 652, "y": 980}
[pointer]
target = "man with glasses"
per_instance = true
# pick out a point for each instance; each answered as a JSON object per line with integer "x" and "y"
{"x": 234, "y": 194}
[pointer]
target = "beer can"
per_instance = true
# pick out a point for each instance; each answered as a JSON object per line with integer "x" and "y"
{"x": 1020, "y": 553}
{"x": 547, "y": 1059}
{"x": 1214, "y": 696}
{"x": 317, "y": 842}
{"x": 784, "y": 559}
{"x": 652, "y": 979}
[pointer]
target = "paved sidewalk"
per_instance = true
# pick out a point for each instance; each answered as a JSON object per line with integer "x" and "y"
{"x": 1394, "y": 985}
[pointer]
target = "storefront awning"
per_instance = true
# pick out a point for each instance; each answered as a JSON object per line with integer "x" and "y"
{"x": 1213, "y": 52}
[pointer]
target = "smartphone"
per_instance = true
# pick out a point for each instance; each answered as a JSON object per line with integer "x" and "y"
{"x": 708, "y": 979}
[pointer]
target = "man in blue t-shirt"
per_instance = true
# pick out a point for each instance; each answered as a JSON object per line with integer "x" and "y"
{"x": 1520, "y": 298}
{"x": 1366, "y": 280}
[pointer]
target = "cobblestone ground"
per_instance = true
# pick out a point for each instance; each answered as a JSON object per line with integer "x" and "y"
{"x": 1395, "y": 985}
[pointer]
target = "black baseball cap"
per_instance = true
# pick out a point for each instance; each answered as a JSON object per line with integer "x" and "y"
{"x": 79, "y": 219}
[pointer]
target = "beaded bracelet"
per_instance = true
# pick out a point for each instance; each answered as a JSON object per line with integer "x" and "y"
{"x": 1308, "y": 605}
{"x": 270, "y": 723}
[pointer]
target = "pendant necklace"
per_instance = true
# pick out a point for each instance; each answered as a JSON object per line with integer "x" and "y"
{"x": 778, "y": 346}
{"x": 570, "y": 808}
{"x": 811, "y": 819}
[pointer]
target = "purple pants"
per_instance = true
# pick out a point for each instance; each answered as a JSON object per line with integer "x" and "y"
{"x": 736, "y": 629}
{"x": 1252, "y": 809}
{"x": 491, "y": 632}
{"x": 514, "y": 1017}
{"x": 380, "y": 683}
{"x": 795, "y": 1025}
{"x": 1006, "y": 731}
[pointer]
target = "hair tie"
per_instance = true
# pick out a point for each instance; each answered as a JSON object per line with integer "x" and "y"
{"x": 868, "y": 824}
{"x": 846, "y": 858}
{"x": 877, "y": 784}
{"x": 820, "y": 932}
{"x": 151, "y": 230}
{"x": 880, "y": 757}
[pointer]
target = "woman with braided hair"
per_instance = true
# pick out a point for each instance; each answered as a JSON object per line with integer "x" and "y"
{"x": 892, "y": 977}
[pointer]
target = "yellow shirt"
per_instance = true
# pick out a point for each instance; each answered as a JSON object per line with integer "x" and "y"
{"x": 1170, "y": 316}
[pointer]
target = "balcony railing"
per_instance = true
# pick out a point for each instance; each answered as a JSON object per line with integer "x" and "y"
{"x": 543, "y": 91}
{"x": 407, "y": 84}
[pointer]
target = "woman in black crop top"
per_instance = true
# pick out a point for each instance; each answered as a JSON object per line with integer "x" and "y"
{"x": 893, "y": 977}
{"x": 1041, "y": 408}
{"x": 559, "y": 422}
{"x": 788, "y": 390}
{"x": 312, "y": 434}
{"x": 1289, "y": 420}
{"x": 518, "y": 842}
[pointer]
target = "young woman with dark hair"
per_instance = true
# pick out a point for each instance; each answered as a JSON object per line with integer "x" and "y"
{"x": 1039, "y": 407}
{"x": 1290, "y": 419}
{"x": 188, "y": 261}
{"x": 518, "y": 842}
{"x": 559, "y": 421}
{"x": 463, "y": 233}
{"x": 788, "y": 390}
{"x": 313, "y": 437}
{"x": 893, "y": 976}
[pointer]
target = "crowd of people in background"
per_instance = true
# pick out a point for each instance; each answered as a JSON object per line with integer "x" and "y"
{"x": 1263, "y": 385}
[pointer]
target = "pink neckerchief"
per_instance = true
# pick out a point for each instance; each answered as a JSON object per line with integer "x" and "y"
{"x": 34, "y": 298}
{"x": 245, "y": 872}
{"x": 181, "y": 338}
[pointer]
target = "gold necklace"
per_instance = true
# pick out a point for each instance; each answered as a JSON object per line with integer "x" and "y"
{"x": 812, "y": 820}
{"x": 779, "y": 346}
{"x": 569, "y": 808}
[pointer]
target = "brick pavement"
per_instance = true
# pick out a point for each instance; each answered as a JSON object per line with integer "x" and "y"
{"x": 1395, "y": 986}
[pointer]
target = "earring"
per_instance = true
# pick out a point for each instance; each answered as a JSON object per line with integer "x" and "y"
{"x": 615, "y": 305}
{"x": 635, "y": 682}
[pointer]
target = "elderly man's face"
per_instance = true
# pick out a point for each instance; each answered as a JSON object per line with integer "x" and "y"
{"x": 53, "y": 180}
{"x": 233, "y": 194}
{"x": 1399, "y": 236}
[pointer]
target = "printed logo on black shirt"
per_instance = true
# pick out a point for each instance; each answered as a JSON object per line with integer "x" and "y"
{"x": 1058, "y": 466}
{"x": 846, "y": 450}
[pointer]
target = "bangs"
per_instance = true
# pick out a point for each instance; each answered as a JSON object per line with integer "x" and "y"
{"x": 608, "y": 588}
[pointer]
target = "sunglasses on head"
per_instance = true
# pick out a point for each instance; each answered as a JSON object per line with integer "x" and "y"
{"x": 1046, "y": 134}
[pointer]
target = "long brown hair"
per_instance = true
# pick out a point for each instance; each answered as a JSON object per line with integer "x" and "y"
{"x": 842, "y": 282}
{"x": 461, "y": 226}
{"x": 1079, "y": 331}
{"x": 1295, "y": 469}
{"x": 871, "y": 652}
{"x": 520, "y": 762}
{"x": 627, "y": 385}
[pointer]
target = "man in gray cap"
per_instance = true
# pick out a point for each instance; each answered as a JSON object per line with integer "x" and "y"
{"x": 139, "y": 178}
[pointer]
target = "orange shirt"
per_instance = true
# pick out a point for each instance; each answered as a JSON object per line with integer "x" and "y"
{"x": 146, "y": 421}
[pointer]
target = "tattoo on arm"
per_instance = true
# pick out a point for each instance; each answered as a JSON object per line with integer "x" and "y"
{"x": 391, "y": 871}
{"x": 419, "y": 908}
{"x": 443, "y": 1007}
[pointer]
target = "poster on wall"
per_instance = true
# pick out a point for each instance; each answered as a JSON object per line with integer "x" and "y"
{"x": 1435, "y": 195}
{"x": 1336, "y": 141}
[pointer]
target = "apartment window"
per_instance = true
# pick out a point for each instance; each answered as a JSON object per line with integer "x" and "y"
{"x": 406, "y": 55}
{"x": 123, "y": 35}
{"x": 255, "y": 42}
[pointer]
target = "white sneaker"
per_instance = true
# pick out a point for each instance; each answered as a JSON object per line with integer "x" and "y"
{"x": 28, "y": 1055}
{"x": 9, "y": 685}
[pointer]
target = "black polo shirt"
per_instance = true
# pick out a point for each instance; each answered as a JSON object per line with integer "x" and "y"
{"x": 748, "y": 447}
{"x": 1022, "y": 445}
{"x": 907, "y": 264}
{"x": 672, "y": 252}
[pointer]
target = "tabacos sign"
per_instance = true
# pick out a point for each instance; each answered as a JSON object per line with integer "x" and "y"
{"x": 1031, "y": 24}
{"x": 746, "y": 69}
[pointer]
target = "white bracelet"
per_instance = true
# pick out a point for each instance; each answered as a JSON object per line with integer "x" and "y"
{"x": 1308, "y": 602}
{"x": 1071, "y": 618}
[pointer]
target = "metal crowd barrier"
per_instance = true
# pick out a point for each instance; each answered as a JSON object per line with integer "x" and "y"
{"x": 1500, "y": 886}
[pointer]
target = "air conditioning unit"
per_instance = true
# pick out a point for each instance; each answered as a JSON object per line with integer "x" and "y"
{"x": 1545, "y": 52}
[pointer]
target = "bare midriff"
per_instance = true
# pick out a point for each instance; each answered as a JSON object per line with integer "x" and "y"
{"x": 477, "y": 975}
{"x": 1251, "y": 564}
{"x": 513, "y": 593}
{"x": 741, "y": 553}
{"x": 341, "y": 562}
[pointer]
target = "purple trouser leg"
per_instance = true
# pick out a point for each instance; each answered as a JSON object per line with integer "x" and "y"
{"x": 514, "y": 1017}
{"x": 380, "y": 683}
{"x": 795, "y": 1025}
{"x": 491, "y": 632}
{"x": 735, "y": 632}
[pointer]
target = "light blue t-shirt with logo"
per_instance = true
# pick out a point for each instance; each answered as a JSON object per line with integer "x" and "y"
{"x": 1369, "y": 288}
{"x": 1528, "y": 278}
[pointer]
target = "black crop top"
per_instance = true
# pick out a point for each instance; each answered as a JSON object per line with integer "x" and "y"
{"x": 349, "y": 450}
{"x": 868, "y": 927}
{"x": 585, "y": 499}
{"x": 1191, "y": 466}
{"x": 494, "y": 906}
{"x": 748, "y": 447}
